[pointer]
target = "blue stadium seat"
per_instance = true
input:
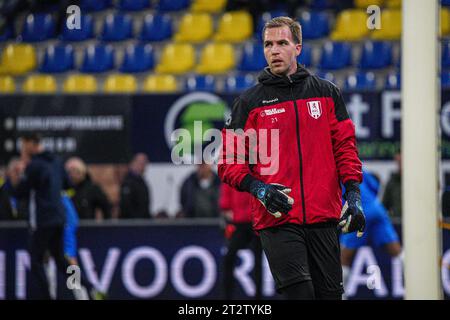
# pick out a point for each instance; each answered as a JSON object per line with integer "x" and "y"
{"x": 173, "y": 5}
{"x": 156, "y": 27}
{"x": 393, "y": 81}
{"x": 85, "y": 32}
{"x": 137, "y": 58}
{"x": 57, "y": 58}
{"x": 94, "y": 5}
{"x": 252, "y": 57}
{"x": 117, "y": 27}
{"x": 97, "y": 58}
{"x": 361, "y": 81}
{"x": 322, "y": 4}
{"x": 305, "y": 56}
{"x": 335, "y": 55}
{"x": 238, "y": 83}
{"x": 445, "y": 79}
{"x": 326, "y": 75}
{"x": 201, "y": 83}
{"x": 38, "y": 27}
{"x": 133, "y": 5}
{"x": 445, "y": 3}
{"x": 7, "y": 33}
{"x": 376, "y": 55}
{"x": 263, "y": 18}
{"x": 445, "y": 55}
{"x": 314, "y": 24}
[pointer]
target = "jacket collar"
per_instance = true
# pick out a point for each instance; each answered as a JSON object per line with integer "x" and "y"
{"x": 266, "y": 77}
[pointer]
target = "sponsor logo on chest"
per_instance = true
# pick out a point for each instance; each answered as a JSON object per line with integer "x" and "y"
{"x": 271, "y": 112}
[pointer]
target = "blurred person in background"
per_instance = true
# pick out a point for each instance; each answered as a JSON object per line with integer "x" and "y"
{"x": 200, "y": 193}
{"x": 379, "y": 229}
{"x": 392, "y": 198}
{"x": 134, "y": 192}
{"x": 42, "y": 182}
{"x": 236, "y": 210}
{"x": 89, "y": 199}
{"x": 12, "y": 208}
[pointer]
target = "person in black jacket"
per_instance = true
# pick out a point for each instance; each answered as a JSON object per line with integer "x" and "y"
{"x": 12, "y": 208}
{"x": 42, "y": 182}
{"x": 200, "y": 193}
{"x": 134, "y": 192}
{"x": 86, "y": 195}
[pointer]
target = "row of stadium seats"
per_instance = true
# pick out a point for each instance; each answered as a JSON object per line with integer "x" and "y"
{"x": 234, "y": 26}
{"x": 126, "y": 83}
{"x": 163, "y": 5}
{"x": 179, "y": 58}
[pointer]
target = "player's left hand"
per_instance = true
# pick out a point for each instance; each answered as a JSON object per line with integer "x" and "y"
{"x": 352, "y": 215}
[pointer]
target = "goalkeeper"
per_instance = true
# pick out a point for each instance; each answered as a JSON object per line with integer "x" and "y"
{"x": 297, "y": 194}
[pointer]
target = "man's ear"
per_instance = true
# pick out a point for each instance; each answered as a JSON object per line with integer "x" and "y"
{"x": 298, "y": 49}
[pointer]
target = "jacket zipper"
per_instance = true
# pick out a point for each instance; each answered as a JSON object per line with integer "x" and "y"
{"x": 299, "y": 151}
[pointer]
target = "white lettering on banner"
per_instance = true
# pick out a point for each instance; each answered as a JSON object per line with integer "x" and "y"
{"x": 242, "y": 273}
{"x": 209, "y": 267}
{"x": 268, "y": 285}
{"x": 398, "y": 289}
{"x": 357, "y": 108}
{"x": 445, "y": 119}
{"x": 445, "y": 271}
{"x": 107, "y": 273}
{"x": 2, "y": 275}
{"x": 389, "y": 114}
{"x": 22, "y": 264}
{"x": 364, "y": 257}
{"x": 63, "y": 123}
{"x": 160, "y": 277}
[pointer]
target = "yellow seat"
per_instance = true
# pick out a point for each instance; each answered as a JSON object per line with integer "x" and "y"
{"x": 160, "y": 83}
{"x": 216, "y": 58}
{"x": 195, "y": 27}
{"x": 445, "y": 21}
{"x": 177, "y": 58}
{"x": 363, "y": 4}
{"x": 394, "y": 4}
{"x": 391, "y": 25}
{"x": 80, "y": 83}
{"x": 234, "y": 26}
{"x": 211, "y": 6}
{"x": 351, "y": 25}
{"x": 7, "y": 84}
{"x": 40, "y": 83}
{"x": 120, "y": 83}
{"x": 18, "y": 59}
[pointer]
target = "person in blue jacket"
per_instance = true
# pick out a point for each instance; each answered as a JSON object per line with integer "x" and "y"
{"x": 379, "y": 229}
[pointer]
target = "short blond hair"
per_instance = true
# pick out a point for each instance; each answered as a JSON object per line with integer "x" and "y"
{"x": 294, "y": 26}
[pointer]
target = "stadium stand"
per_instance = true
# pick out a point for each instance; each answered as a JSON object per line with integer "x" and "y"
{"x": 361, "y": 81}
{"x": 182, "y": 53}
{"x": 393, "y": 81}
{"x": 57, "y": 58}
{"x": 80, "y": 83}
{"x": 201, "y": 83}
{"x": 40, "y": 83}
{"x": 120, "y": 83}
{"x": 194, "y": 40}
{"x": 38, "y": 27}
{"x": 160, "y": 84}
{"x": 7, "y": 84}
{"x": 216, "y": 58}
{"x": 195, "y": 27}
{"x": 238, "y": 83}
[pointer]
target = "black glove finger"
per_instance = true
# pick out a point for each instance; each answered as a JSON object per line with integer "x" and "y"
{"x": 282, "y": 203}
{"x": 357, "y": 223}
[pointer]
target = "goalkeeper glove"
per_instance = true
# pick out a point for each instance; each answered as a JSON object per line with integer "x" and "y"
{"x": 274, "y": 197}
{"x": 352, "y": 215}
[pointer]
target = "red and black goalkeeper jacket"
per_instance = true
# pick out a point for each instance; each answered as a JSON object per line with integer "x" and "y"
{"x": 316, "y": 150}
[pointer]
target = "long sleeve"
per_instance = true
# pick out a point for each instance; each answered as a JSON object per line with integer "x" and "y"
{"x": 345, "y": 152}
